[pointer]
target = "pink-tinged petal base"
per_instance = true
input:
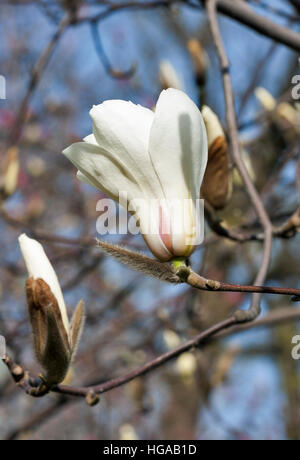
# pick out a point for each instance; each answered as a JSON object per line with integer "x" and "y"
{"x": 163, "y": 238}
{"x": 165, "y": 229}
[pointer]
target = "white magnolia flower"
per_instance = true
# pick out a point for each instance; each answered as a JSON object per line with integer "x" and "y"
{"x": 39, "y": 267}
{"x": 155, "y": 157}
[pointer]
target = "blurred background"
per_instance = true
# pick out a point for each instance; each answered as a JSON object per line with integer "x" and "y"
{"x": 243, "y": 387}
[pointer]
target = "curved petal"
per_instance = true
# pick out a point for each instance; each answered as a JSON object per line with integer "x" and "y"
{"x": 178, "y": 145}
{"x": 98, "y": 169}
{"x": 86, "y": 180}
{"x": 157, "y": 247}
{"x": 122, "y": 129}
{"x": 90, "y": 139}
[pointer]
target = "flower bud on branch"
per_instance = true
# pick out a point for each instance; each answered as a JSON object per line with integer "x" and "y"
{"x": 168, "y": 76}
{"x": 55, "y": 341}
{"x": 216, "y": 187}
{"x": 284, "y": 116}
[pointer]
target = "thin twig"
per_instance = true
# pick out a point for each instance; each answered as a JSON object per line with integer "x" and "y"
{"x": 113, "y": 72}
{"x": 232, "y": 125}
{"x": 199, "y": 282}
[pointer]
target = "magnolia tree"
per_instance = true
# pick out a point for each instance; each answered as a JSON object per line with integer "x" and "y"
{"x": 176, "y": 232}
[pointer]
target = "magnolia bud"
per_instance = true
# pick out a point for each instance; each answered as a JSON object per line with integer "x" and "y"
{"x": 186, "y": 366}
{"x": 51, "y": 342}
{"x": 55, "y": 342}
{"x": 266, "y": 99}
{"x": 171, "y": 339}
{"x": 10, "y": 175}
{"x": 290, "y": 119}
{"x": 216, "y": 187}
{"x": 199, "y": 59}
{"x": 284, "y": 116}
{"x": 168, "y": 76}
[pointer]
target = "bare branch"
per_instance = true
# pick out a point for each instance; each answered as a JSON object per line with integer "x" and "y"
{"x": 235, "y": 151}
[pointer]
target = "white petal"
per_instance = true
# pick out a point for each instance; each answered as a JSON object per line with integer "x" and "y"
{"x": 157, "y": 247}
{"x": 178, "y": 145}
{"x": 178, "y": 149}
{"x": 122, "y": 129}
{"x": 184, "y": 228}
{"x": 148, "y": 215}
{"x": 86, "y": 180}
{"x": 39, "y": 266}
{"x": 90, "y": 139}
{"x": 98, "y": 169}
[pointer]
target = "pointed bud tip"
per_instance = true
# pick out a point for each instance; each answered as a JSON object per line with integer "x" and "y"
{"x": 265, "y": 98}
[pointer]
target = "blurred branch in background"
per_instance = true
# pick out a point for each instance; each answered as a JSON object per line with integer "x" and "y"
{"x": 31, "y": 386}
{"x": 36, "y": 75}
